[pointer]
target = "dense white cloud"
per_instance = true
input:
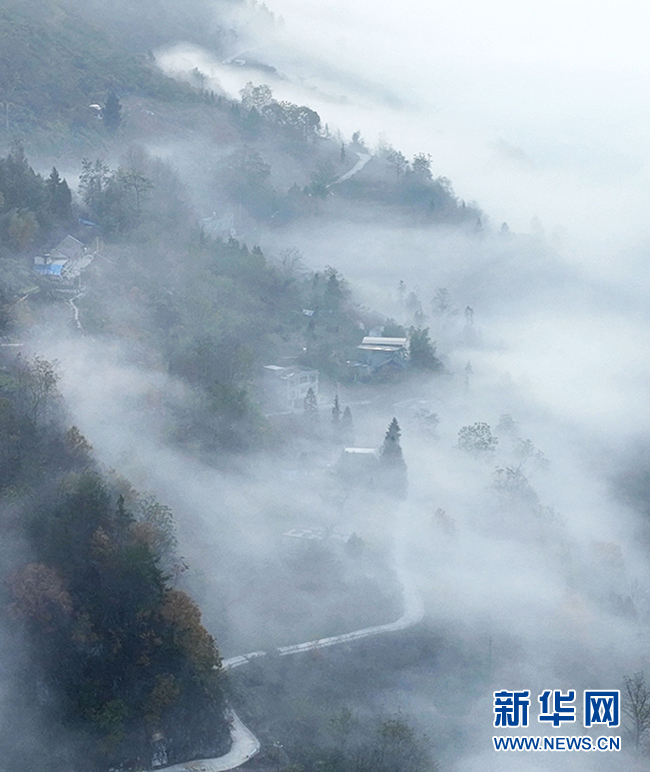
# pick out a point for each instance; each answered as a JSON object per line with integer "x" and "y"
{"x": 530, "y": 108}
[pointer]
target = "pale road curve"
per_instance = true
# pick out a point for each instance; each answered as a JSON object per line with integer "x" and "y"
{"x": 75, "y": 310}
{"x": 244, "y": 743}
{"x": 244, "y": 746}
{"x": 363, "y": 160}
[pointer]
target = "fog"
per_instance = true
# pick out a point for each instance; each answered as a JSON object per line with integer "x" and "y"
{"x": 534, "y": 110}
{"x": 558, "y": 350}
{"x": 539, "y": 113}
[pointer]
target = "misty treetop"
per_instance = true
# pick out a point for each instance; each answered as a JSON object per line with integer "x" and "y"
{"x": 390, "y": 179}
{"x": 36, "y": 212}
{"x": 477, "y": 439}
{"x": 394, "y": 476}
{"x": 422, "y": 351}
{"x": 292, "y": 118}
{"x": 32, "y": 209}
{"x": 112, "y": 653}
{"x": 114, "y": 198}
{"x": 391, "y": 450}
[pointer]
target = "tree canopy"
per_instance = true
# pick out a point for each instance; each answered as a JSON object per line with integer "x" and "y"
{"x": 114, "y": 653}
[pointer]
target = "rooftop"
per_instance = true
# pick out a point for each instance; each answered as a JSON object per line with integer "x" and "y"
{"x": 51, "y": 269}
{"x": 371, "y": 343}
{"x": 69, "y": 248}
{"x": 289, "y": 372}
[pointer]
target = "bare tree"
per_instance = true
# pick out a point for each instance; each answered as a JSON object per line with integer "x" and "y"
{"x": 291, "y": 262}
{"x": 36, "y": 379}
{"x": 637, "y": 706}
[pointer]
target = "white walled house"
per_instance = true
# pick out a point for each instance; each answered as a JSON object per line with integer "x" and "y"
{"x": 285, "y": 388}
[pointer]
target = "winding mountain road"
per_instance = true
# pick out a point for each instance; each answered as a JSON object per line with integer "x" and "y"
{"x": 363, "y": 160}
{"x": 244, "y": 743}
{"x": 75, "y": 310}
{"x": 244, "y": 746}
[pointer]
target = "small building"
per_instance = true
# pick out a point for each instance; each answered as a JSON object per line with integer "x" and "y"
{"x": 70, "y": 249}
{"x": 66, "y": 260}
{"x": 358, "y": 465}
{"x": 378, "y": 353}
{"x": 359, "y": 457}
{"x": 220, "y": 227}
{"x": 285, "y": 388}
{"x": 46, "y": 267}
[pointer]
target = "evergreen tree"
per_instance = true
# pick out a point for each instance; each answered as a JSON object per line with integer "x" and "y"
{"x": 336, "y": 412}
{"x": 134, "y": 182}
{"x": 311, "y": 406}
{"x": 59, "y": 197}
{"x": 336, "y": 289}
{"x": 112, "y": 112}
{"x": 391, "y": 450}
{"x": 20, "y": 186}
{"x": 422, "y": 351}
{"x": 394, "y": 479}
{"x": 54, "y": 180}
{"x": 468, "y": 373}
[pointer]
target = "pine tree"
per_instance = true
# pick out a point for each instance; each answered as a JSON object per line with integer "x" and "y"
{"x": 347, "y": 425}
{"x": 112, "y": 112}
{"x": 336, "y": 411}
{"x": 422, "y": 351}
{"x": 311, "y": 406}
{"x": 335, "y": 289}
{"x": 54, "y": 180}
{"x": 59, "y": 197}
{"x": 21, "y": 187}
{"x": 468, "y": 372}
{"x": 394, "y": 479}
{"x": 391, "y": 450}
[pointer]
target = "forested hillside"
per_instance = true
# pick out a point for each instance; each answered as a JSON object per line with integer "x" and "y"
{"x": 110, "y": 665}
{"x": 107, "y": 654}
{"x": 55, "y": 63}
